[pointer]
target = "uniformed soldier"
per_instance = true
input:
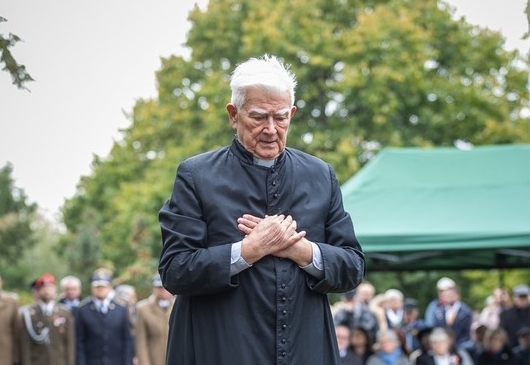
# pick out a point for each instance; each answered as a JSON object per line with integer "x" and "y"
{"x": 102, "y": 326}
{"x": 152, "y": 326}
{"x": 48, "y": 336}
{"x": 9, "y": 327}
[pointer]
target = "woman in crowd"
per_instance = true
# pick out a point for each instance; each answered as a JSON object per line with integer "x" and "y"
{"x": 496, "y": 350}
{"x": 389, "y": 350}
{"x": 442, "y": 351}
{"x": 361, "y": 343}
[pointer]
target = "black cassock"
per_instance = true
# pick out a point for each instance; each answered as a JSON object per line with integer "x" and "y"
{"x": 273, "y": 312}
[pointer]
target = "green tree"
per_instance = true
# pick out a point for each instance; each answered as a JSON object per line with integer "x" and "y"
{"x": 16, "y": 217}
{"x": 371, "y": 74}
{"x": 18, "y": 72}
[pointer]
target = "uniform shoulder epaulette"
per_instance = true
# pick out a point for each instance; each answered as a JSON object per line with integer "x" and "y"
{"x": 119, "y": 302}
{"x": 11, "y": 295}
{"x": 62, "y": 307}
{"x": 143, "y": 302}
{"x": 85, "y": 301}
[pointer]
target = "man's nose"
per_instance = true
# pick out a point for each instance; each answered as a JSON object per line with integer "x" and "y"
{"x": 270, "y": 125}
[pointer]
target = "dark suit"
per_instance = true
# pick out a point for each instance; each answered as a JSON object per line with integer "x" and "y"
{"x": 350, "y": 358}
{"x": 103, "y": 339}
{"x": 73, "y": 307}
{"x": 461, "y": 325}
{"x": 428, "y": 359}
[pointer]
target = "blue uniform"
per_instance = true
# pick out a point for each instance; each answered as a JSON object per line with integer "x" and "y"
{"x": 103, "y": 338}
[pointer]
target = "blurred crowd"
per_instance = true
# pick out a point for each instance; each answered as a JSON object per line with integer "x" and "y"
{"x": 109, "y": 327}
{"x": 387, "y": 329}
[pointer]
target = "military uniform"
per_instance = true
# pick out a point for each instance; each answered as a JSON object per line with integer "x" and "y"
{"x": 152, "y": 329}
{"x": 9, "y": 329}
{"x": 103, "y": 335}
{"x": 47, "y": 339}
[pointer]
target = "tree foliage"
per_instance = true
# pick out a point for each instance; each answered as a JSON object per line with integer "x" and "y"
{"x": 16, "y": 217}
{"x": 18, "y": 71}
{"x": 371, "y": 74}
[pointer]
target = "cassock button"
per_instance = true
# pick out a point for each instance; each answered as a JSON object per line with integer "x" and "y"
{"x": 284, "y": 326}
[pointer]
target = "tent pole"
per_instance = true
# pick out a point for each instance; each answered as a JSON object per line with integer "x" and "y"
{"x": 501, "y": 278}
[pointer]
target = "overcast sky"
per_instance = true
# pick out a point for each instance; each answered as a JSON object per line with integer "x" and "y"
{"x": 93, "y": 59}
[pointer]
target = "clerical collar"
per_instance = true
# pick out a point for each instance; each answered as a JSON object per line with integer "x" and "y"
{"x": 262, "y": 162}
{"x": 256, "y": 160}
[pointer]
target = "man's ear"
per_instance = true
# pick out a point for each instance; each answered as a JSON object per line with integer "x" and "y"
{"x": 232, "y": 114}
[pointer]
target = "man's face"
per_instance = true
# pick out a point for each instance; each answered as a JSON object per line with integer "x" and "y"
{"x": 47, "y": 292}
{"x": 521, "y": 301}
{"x": 449, "y": 296}
{"x": 71, "y": 291}
{"x": 101, "y": 291}
{"x": 343, "y": 336}
{"x": 440, "y": 346}
{"x": 262, "y": 123}
{"x": 161, "y": 293}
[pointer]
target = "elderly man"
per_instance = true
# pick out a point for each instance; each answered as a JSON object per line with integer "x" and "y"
{"x": 254, "y": 238}
{"x": 70, "y": 292}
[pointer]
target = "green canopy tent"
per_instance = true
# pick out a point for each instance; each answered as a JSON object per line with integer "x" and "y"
{"x": 443, "y": 208}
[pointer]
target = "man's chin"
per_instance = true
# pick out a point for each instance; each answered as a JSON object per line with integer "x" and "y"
{"x": 268, "y": 153}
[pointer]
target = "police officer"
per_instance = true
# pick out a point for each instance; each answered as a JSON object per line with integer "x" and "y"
{"x": 102, "y": 326}
{"x": 48, "y": 336}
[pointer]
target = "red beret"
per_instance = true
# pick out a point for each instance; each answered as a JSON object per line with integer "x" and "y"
{"x": 44, "y": 279}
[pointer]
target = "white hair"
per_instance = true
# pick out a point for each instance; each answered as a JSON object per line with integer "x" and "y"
{"x": 393, "y": 294}
{"x": 266, "y": 71}
{"x": 70, "y": 280}
{"x": 387, "y": 333}
{"x": 438, "y": 334}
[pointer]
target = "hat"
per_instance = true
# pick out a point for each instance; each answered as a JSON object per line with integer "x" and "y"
{"x": 157, "y": 281}
{"x": 101, "y": 279}
{"x": 523, "y": 331}
{"x": 521, "y": 290}
{"x": 445, "y": 283}
{"x": 44, "y": 279}
{"x": 410, "y": 304}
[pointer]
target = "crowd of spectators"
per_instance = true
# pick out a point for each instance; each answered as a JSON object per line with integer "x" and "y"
{"x": 389, "y": 329}
{"x": 111, "y": 326}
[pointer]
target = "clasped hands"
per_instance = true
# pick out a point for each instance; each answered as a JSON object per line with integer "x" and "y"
{"x": 273, "y": 235}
